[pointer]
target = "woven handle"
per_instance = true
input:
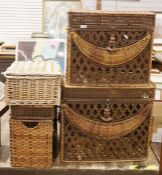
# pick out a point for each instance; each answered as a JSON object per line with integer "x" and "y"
{"x": 30, "y": 124}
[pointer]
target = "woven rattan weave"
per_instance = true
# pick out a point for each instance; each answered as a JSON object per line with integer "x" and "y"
{"x": 110, "y": 56}
{"x": 33, "y": 83}
{"x": 106, "y": 124}
{"x": 127, "y": 93}
{"x": 79, "y": 146}
{"x": 31, "y": 143}
{"x": 32, "y": 90}
{"x": 101, "y": 54}
{"x": 112, "y": 20}
{"x": 33, "y": 112}
{"x": 108, "y": 131}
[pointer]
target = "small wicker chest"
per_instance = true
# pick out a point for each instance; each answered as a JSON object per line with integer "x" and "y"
{"x": 31, "y": 143}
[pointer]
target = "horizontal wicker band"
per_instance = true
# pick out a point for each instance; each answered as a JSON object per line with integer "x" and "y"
{"x": 114, "y": 57}
{"x": 113, "y": 20}
{"x": 136, "y": 92}
{"x": 106, "y": 131}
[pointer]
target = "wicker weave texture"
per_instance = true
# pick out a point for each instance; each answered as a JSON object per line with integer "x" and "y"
{"x": 112, "y": 20}
{"x": 106, "y": 124}
{"x": 78, "y": 146}
{"x": 117, "y": 93}
{"x": 32, "y": 90}
{"x": 93, "y": 59}
{"x": 33, "y": 112}
{"x": 109, "y": 47}
{"x": 31, "y": 143}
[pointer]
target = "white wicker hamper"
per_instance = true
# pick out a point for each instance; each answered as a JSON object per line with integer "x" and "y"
{"x": 33, "y": 83}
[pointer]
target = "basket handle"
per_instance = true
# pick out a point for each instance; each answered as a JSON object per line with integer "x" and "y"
{"x": 30, "y": 124}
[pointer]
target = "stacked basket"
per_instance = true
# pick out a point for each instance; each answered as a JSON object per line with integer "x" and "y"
{"x": 32, "y": 91}
{"x": 107, "y": 95}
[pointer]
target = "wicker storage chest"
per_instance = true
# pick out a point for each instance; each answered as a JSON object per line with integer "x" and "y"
{"x": 109, "y": 47}
{"x": 33, "y": 83}
{"x": 106, "y": 124}
{"x": 33, "y": 112}
{"x": 31, "y": 143}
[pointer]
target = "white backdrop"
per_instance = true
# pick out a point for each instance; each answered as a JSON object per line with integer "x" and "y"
{"x": 19, "y": 18}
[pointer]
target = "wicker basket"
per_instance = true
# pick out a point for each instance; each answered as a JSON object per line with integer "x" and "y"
{"x": 27, "y": 85}
{"x": 100, "y": 124}
{"x": 106, "y": 48}
{"x": 31, "y": 143}
{"x": 33, "y": 112}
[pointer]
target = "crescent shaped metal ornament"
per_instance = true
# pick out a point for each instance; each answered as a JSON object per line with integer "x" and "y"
{"x": 106, "y": 131}
{"x": 110, "y": 57}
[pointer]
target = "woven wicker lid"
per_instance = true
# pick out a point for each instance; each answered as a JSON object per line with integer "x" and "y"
{"x": 31, "y": 68}
{"x": 138, "y": 20}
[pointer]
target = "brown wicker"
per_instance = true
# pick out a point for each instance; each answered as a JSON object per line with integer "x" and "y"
{"x": 126, "y": 93}
{"x": 31, "y": 143}
{"x": 80, "y": 146}
{"x": 106, "y": 124}
{"x": 112, "y": 20}
{"x": 33, "y": 112}
{"x": 32, "y": 90}
{"x": 101, "y": 52}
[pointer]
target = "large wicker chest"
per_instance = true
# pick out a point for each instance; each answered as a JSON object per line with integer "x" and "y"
{"x": 109, "y": 47}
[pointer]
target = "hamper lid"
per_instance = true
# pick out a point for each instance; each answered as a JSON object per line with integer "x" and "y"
{"x": 31, "y": 68}
{"x": 137, "y": 20}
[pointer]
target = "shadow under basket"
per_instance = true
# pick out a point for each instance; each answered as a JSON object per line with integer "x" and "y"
{"x": 31, "y": 143}
{"x": 107, "y": 125}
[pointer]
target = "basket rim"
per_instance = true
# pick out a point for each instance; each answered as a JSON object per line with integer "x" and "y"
{"x": 111, "y": 86}
{"x": 119, "y": 12}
